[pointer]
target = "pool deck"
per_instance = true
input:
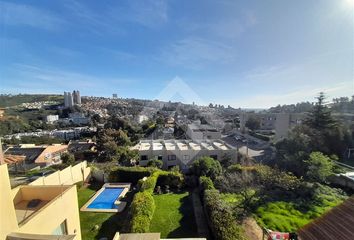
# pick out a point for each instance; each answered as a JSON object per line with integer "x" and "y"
{"x": 120, "y": 204}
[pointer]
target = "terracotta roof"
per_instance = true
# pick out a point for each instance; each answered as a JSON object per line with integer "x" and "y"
{"x": 11, "y": 159}
{"x": 338, "y": 223}
{"x": 42, "y": 158}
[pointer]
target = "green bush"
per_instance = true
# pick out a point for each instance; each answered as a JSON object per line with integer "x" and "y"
{"x": 142, "y": 210}
{"x": 172, "y": 179}
{"x": 221, "y": 220}
{"x": 150, "y": 183}
{"x": 128, "y": 174}
{"x": 206, "y": 183}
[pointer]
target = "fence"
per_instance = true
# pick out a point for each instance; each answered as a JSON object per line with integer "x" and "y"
{"x": 67, "y": 176}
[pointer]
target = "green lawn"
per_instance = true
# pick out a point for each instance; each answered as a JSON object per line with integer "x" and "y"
{"x": 290, "y": 215}
{"x": 108, "y": 223}
{"x": 174, "y": 216}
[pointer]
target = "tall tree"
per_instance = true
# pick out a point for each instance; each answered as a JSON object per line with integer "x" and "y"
{"x": 320, "y": 117}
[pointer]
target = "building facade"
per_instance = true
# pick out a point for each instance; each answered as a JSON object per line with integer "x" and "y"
{"x": 280, "y": 123}
{"x": 202, "y": 131}
{"x": 38, "y": 212}
{"x": 182, "y": 153}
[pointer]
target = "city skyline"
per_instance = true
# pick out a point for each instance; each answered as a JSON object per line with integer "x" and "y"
{"x": 232, "y": 53}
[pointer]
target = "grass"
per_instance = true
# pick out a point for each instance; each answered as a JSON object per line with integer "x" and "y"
{"x": 174, "y": 216}
{"x": 107, "y": 223}
{"x": 290, "y": 215}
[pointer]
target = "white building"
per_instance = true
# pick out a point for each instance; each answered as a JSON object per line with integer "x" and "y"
{"x": 182, "y": 152}
{"x": 51, "y": 118}
{"x": 68, "y": 100}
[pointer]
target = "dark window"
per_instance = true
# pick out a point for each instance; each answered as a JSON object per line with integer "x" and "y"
{"x": 214, "y": 157}
{"x": 171, "y": 157}
{"x": 143, "y": 158}
{"x": 159, "y": 157}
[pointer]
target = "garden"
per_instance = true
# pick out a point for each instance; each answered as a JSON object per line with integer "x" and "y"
{"x": 160, "y": 203}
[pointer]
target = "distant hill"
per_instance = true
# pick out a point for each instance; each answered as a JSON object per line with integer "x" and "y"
{"x": 13, "y": 100}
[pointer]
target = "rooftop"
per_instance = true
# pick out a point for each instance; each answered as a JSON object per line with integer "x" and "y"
{"x": 337, "y": 223}
{"x": 182, "y": 145}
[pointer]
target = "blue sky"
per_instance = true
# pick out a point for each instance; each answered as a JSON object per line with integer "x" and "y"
{"x": 243, "y": 53}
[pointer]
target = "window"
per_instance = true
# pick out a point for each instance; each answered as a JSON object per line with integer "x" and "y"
{"x": 61, "y": 229}
{"x": 171, "y": 157}
{"x": 143, "y": 158}
{"x": 186, "y": 157}
{"x": 159, "y": 157}
{"x": 215, "y": 157}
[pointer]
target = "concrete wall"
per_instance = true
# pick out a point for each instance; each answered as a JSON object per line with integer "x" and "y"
{"x": 8, "y": 220}
{"x": 343, "y": 181}
{"x": 62, "y": 208}
{"x": 67, "y": 176}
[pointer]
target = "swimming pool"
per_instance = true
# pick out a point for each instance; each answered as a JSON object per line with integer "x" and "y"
{"x": 106, "y": 199}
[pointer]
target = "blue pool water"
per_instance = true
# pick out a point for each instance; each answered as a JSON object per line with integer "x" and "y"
{"x": 105, "y": 200}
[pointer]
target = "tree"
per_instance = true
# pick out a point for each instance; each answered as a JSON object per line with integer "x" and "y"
{"x": 67, "y": 158}
{"x": 253, "y": 123}
{"x": 155, "y": 163}
{"x": 320, "y": 117}
{"x": 207, "y": 166}
{"x": 319, "y": 167}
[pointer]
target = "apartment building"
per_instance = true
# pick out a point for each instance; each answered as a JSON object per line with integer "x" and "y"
{"x": 183, "y": 152}
{"x": 37, "y": 212}
{"x": 280, "y": 123}
{"x": 31, "y": 155}
{"x": 197, "y": 131}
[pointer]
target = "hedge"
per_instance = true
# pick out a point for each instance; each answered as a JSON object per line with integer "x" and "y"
{"x": 142, "y": 211}
{"x": 220, "y": 218}
{"x": 206, "y": 183}
{"x": 129, "y": 174}
{"x": 172, "y": 179}
{"x": 150, "y": 183}
{"x": 143, "y": 205}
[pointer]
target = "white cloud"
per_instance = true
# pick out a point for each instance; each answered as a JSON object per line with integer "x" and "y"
{"x": 21, "y": 14}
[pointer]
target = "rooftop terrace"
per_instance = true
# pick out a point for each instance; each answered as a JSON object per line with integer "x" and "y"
{"x": 182, "y": 145}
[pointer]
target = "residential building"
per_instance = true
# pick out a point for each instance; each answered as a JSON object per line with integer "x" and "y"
{"x": 142, "y": 118}
{"x": 183, "y": 152}
{"x": 37, "y": 212}
{"x": 279, "y": 123}
{"x": 72, "y": 99}
{"x": 78, "y": 118}
{"x": 197, "y": 131}
{"x": 28, "y": 156}
{"x": 68, "y": 100}
{"x": 51, "y": 118}
{"x": 76, "y": 97}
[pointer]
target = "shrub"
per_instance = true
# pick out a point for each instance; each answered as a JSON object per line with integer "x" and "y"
{"x": 150, "y": 183}
{"x": 171, "y": 179}
{"x": 155, "y": 163}
{"x": 128, "y": 174}
{"x": 206, "y": 183}
{"x": 142, "y": 210}
{"x": 207, "y": 166}
{"x": 221, "y": 220}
